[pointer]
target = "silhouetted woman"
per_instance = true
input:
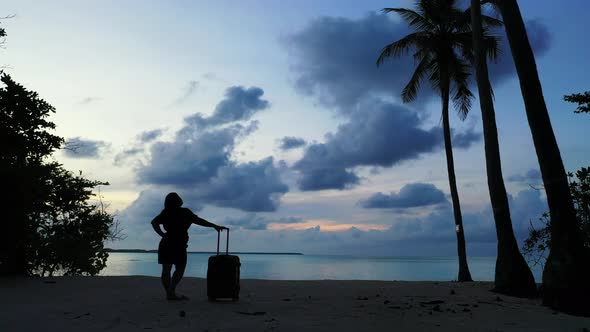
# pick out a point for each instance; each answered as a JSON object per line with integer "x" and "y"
{"x": 172, "y": 249}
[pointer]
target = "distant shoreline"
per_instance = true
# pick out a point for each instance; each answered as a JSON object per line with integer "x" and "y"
{"x": 145, "y": 251}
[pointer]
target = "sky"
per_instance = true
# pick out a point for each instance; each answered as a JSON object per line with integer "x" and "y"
{"x": 272, "y": 118}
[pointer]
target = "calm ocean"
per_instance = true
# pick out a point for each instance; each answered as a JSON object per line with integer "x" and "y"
{"x": 315, "y": 267}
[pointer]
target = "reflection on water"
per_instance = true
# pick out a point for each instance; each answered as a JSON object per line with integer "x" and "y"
{"x": 312, "y": 267}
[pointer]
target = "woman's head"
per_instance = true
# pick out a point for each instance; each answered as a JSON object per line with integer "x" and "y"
{"x": 172, "y": 201}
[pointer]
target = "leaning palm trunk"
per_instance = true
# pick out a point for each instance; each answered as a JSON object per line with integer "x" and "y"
{"x": 513, "y": 276}
{"x": 464, "y": 274}
{"x": 566, "y": 277}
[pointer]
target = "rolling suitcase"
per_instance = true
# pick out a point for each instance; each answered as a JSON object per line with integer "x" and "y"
{"x": 223, "y": 274}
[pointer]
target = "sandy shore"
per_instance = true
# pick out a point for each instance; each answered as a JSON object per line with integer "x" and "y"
{"x": 137, "y": 304}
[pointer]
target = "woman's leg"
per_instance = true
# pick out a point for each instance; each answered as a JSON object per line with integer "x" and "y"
{"x": 176, "y": 277}
{"x": 166, "y": 280}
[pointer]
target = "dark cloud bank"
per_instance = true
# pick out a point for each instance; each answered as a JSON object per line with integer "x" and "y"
{"x": 335, "y": 58}
{"x": 334, "y": 62}
{"x": 378, "y": 134}
{"x": 410, "y": 195}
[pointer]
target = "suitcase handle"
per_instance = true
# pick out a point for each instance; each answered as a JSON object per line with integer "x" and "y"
{"x": 226, "y": 242}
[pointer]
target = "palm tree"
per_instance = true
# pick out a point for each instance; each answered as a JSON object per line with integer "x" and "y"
{"x": 442, "y": 44}
{"x": 513, "y": 275}
{"x": 567, "y": 271}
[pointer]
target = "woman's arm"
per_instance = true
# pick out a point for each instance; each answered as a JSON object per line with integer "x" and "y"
{"x": 156, "y": 226}
{"x": 202, "y": 222}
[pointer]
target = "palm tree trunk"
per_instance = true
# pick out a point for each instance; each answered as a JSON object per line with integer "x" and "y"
{"x": 464, "y": 274}
{"x": 566, "y": 275}
{"x": 513, "y": 275}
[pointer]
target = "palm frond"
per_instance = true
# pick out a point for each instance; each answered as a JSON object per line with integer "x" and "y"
{"x": 462, "y": 98}
{"x": 410, "y": 91}
{"x": 413, "y": 18}
{"x": 491, "y": 22}
{"x": 460, "y": 73}
{"x": 463, "y": 43}
{"x": 398, "y": 48}
{"x": 491, "y": 46}
{"x": 435, "y": 78}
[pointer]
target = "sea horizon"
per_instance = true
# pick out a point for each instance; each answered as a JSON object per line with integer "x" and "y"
{"x": 276, "y": 266}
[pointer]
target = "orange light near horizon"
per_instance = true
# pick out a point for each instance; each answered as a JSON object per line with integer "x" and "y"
{"x": 326, "y": 225}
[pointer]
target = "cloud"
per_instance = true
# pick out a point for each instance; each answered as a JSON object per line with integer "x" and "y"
{"x": 250, "y": 221}
{"x": 410, "y": 195}
{"x": 254, "y": 222}
{"x": 254, "y": 186}
{"x": 377, "y": 134}
{"x": 150, "y": 135}
{"x": 190, "y": 89}
{"x": 125, "y": 155}
{"x": 77, "y": 147}
{"x": 138, "y": 148}
{"x": 239, "y": 104}
{"x": 198, "y": 164}
{"x": 289, "y": 142}
{"x": 540, "y": 40}
{"x": 193, "y": 158}
{"x": 463, "y": 140}
{"x": 334, "y": 59}
{"x": 531, "y": 176}
{"x": 199, "y": 159}
{"x": 429, "y": 231}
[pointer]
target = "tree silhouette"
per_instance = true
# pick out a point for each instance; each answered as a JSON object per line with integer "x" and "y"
{"x": 513, "y": 276}
{"x": 52, "y": 226}
{"x": 582, "y": 99}
{"x": 567, "y": 271}
{"x": 442, "y": 43}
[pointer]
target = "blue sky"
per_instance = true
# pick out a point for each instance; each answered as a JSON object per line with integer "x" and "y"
{"x": 273, "y": 119}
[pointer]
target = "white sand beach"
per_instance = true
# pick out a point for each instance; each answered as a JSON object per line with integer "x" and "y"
{"x": 137, "y": 303}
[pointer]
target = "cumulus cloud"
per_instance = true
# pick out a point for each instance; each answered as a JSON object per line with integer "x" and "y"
{"x": 531, "y": 176}
{"x": 239, "y": 104}
{"x": 377, "y": 134}
{"x": 410, "y": 195}
{"x": 189, "y": 160}
{"x": 289, "y": 142}
{"x": 204, "y": 164}
{"x": 334, "y": 59}
{"x": 199, "y": 160}
{"x": 77, "y": 147}
{"x": 253, "y": 186}
{"x": 198, "y": 164}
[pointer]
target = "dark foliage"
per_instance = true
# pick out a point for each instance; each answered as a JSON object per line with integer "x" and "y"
{"x": 537, "y": 245}
{"x": 49, "y": 224}
{"x": 582, "y": 99}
